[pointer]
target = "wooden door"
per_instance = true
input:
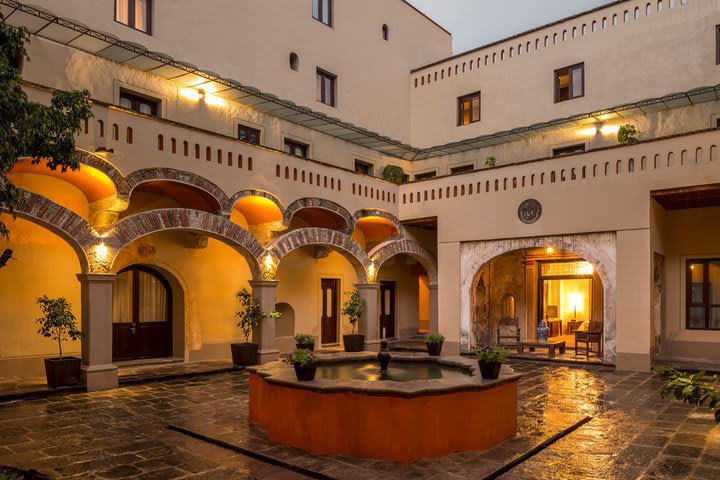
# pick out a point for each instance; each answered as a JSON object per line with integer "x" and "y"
{"x": 329, "y": 319}
{"x": 387, "y": 309}
{"x": 142, "y": 315}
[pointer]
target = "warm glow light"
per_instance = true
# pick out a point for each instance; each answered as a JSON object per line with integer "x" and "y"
{"x": 214, "y": 101}
{"x": 101, "y": 252}
{"x": 549, "y": 250}
{"x": 610, "y": 129}
{"x": 269, "y": 267}
{"x": 372, "y": 273}
{"x": 599, "y": 129}
{"x": 197, "y": 95}
{"x": 585, "y": 269}
{"x": 191, "y": 94}
{"x": 576, "y": 302}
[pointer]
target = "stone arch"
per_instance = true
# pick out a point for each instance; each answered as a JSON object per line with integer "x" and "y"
{"x": 599, "y": 249}
{"x": 256, "y": 193}
{"x": 106, "y": 167}
{"x": 376, "y": 212}
{"x": 333, "y": 239}
{"x": 411, "y": 248}
{"x": 322, "y": 204}
{"x": 142, "y": 224}
{"x": 66, "y": 224}
{"x": 139, "y": 177}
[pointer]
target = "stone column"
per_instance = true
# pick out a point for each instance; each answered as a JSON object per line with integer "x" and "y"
{"x": 264, "y": 334}
{"x": 98, "y": 371}
{"x": 370, "y": 322}
{"x": 433, "y": 308}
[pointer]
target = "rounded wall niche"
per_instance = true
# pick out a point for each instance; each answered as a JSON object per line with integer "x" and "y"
{"x": 294, "y": 61}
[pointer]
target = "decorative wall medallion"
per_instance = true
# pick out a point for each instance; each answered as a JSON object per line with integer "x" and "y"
{"x": 529, "y": 211}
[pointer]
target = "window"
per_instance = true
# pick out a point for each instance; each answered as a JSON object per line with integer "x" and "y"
{"x": 462, "y": 169}
{"x": 140, "y": 104}
{"x": 386, "y": 33}
{"x": 426, "y": 175}
{"x": 323, "y": 11}
{"x": 570, "y": 83}
{"x": 363, "y": 168}
{"x": 556, "y": 152}
{"x": 135, "y": 14}
{"x": 703, "y": 295}
{"x": 469, "y": 109}
{"x": 717, "y": 44}
{"x": 249, "y": 134}
{"x": 296, "y": 148}
{"x": 325, "y": 87}
{"x": 294, "y": 61}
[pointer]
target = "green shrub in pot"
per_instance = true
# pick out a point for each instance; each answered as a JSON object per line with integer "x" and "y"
{"x": 434, "y": 342}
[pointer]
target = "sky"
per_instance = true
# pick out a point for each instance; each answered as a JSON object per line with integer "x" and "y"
{"x": 477, "y": 22}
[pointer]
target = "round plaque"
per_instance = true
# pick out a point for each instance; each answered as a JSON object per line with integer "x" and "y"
{"x": 529, "y": 211}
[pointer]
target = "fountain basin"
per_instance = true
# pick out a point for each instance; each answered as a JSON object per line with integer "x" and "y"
{"x": 352, "y": 412}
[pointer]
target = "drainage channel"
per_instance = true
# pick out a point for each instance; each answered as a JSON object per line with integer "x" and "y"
{"x": 321, "y": 476}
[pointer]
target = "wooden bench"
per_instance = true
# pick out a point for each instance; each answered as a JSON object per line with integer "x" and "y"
{"x": 551, "y": 346}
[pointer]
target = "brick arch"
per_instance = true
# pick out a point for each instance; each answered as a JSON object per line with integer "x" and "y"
{"x": 599, "y": 249}
{"x": 322, "y": 204}
{"x": 376, "y": 212}
{"x": 386, "y": 250}
{"x": 66, "y": 224}
{"x": 103, "y": 165}
{"x": 172, "y": 219}
{"x": 139, "y": 177}
{"x": 255, "y": 193}
{"x": 337, "y": 241}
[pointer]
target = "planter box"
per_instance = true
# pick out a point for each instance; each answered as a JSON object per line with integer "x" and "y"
{"x": 305, "y": 373}
{"x": 354, "y": 343}
{"x": 244, "y": 354}
{"x": 61, "y": 372}
{"x": 490, "y": 370}
{"x": 434, "y": 349}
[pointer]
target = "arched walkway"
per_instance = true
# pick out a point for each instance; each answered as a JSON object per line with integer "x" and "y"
{"x": 254, "y": 193}
{"x": 376, "y": 212}
{"x": 386, "y": 250}
{"x": 320, "y": 204}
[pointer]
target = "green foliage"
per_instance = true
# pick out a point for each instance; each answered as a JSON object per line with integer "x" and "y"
{"x": 8, "y": 475}
{"x": 628, "y": 134}
{"x": 394, "y": 174}
{"x": 435, "y": 338}
{"x": 491, "y": 354}
{"x": 304, "y": 339}
{"x": 301, "y": 357}
{"x": 58, "y": 321}
{"x": 29, "y": 129}
{"x": 690, "y": 388}
{"x": 490, "y": 162}
{"x": 250, "y": 313}
{"x": 353, "y": 308}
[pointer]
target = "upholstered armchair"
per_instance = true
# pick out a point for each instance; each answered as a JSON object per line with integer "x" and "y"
{"x": 593, "y": 334}
{"x": 508, "y": 333}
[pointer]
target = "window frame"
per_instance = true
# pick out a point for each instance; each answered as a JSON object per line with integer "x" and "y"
{"x": 321, "y": 11}
{"x": 320, "y": 76}
{"x": 470, "y": 97}
{"x": 136, "y": 97}
{"x": 717, "y": 45}
{"x": 556, "y": 82}
{"x": 425, "y": 175}
{"x": 706, "y": 287}
{"x": 367, "y": 165}
{"x": 249, "y": 130}
{"x": 296, "y": 144}
{"x": 460, "y": 169}
{"x": 573, "y": 149}
{"x": 131, "y": 16}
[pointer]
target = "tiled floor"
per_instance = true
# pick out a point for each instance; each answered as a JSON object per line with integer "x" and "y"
{"x": 123, "y": 433}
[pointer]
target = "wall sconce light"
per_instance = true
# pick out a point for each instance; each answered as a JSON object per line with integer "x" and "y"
{"x": 549, "y": 250}
{"x": 372, "y": 273}
{"x": 269, "y": 269}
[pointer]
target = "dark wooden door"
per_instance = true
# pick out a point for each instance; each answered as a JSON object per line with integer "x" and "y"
{"x": 387, "y": 309}
{"x": 329, "y": 319}
{"x": 142, "y": 315}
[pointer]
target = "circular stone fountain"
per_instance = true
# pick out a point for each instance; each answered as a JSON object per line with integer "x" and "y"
{"x": 424, "y": 407}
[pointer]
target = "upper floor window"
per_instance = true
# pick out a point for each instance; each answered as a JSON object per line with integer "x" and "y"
{"x": 386, "y": 32}
{"x": 462, "y": 169}
{"x": 139, "y": 103}
{"x": 323, "y": 11}
{"x": 249, "y": 134}
{"x": 426, "y": 175}
{"x": 717, "y": 44}
{"x": 570, "y": 149}
{"x": 325, "y": 87}
{"x": 135, "y": 14}
{"x": 363, "y": 168}
{"x": 703, "y": 294}
{"x": 469, "y": 109}
{"x": 570, "y": 83}
{"x": 296, "y": 148}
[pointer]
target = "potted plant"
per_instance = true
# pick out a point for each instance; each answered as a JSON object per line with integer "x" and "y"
{"x": 353, "y": 309}
{"x": 303, "y": 341}
{"x": 394, "y": 174}
{"x": 490, "y": 162}
{"x": 305, "y": 364}
{"x": 434, "y": 342}
{"x": 490, "y": 360}
{"x": 59, "y": 323}
{"x": 250, "y": 315}
{"x": 627, "y": 134}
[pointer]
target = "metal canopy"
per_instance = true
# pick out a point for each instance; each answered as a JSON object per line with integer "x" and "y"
{"x": 45, "y": 24}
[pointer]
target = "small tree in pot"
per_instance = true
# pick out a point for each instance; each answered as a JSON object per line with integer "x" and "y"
{"x": 490, "y": 360}
{"x": 434, "y": 342}
{"x": 305, "y": 364}
{"x": 353, "y": 309}
{"x": 59, "y": 324}
{"x": 303, "y": 341}
{"x": 250, "y": 315}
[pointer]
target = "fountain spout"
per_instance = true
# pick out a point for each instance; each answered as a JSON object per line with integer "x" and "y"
{"x": 384, "y": 356}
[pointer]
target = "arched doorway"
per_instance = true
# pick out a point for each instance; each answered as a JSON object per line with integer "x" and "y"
{"x": 142, "y": 314}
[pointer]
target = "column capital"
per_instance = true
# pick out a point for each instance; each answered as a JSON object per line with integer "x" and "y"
{"x": 96, "y": 277}
{"x": 264, "y": 283}
{"x": 367, "y": 286}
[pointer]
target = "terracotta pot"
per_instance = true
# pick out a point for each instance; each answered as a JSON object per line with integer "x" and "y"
{"x": 489, "y": 370}
{"x": 300, "y": 346}
{"x": 61, "y": 372}
{"x": 354, "y": 343}
{"x": 434, "y": 349}
{"x": 244, "y": 353}
{"x": 306, "y": 372}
